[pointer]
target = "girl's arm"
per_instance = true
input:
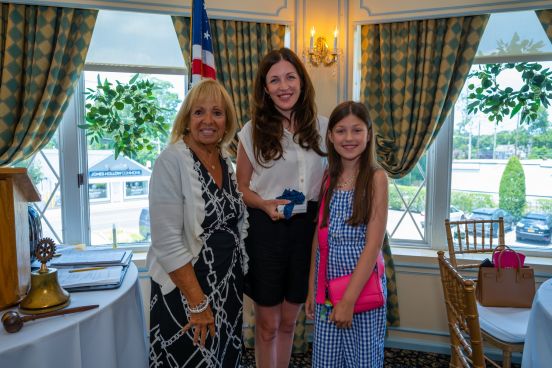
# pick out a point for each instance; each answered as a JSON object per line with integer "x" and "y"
{"x": 375, "y": 231}
{"x": 309, "y": 304}
{"x": 244, "y": 171}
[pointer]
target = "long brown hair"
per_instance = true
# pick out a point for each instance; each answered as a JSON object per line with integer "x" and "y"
{"x": 267, "y": 120}
{"x": 364, "y": 184}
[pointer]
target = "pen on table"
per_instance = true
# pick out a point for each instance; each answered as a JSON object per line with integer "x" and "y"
{"x": 86, "y": 269}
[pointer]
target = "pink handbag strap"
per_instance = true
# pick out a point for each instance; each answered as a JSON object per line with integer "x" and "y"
{"x": 322, "y": 247}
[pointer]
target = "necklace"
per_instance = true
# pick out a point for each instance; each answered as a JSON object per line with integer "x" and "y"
{"x": 204, "y": 155}
{"x": 209, "y": 164}
{"x": 347, "y": 182}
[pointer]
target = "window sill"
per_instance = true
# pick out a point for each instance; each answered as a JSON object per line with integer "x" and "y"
{"x": 410, "y": 256}
{"x": 405, "y": 256}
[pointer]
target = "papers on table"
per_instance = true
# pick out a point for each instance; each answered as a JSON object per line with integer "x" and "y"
{"x": 90, "y": 269}
{"x": 93, "y": 277}
{"x": 103, "y": 257}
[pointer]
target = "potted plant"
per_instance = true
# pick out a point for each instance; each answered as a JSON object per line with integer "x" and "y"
{"x": 127, "y": 113}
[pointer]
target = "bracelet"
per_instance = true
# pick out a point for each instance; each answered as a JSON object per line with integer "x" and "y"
{"x": 201, "y": 307}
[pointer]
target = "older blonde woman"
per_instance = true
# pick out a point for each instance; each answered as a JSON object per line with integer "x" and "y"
{"x": 198, "y": 221}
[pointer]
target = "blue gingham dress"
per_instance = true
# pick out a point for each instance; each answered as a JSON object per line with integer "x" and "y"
{"x": 362, "y": 344}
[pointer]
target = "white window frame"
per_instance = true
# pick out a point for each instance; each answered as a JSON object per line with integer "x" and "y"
{"x": 75, "y": 209}
{"x": 439, "y": 171}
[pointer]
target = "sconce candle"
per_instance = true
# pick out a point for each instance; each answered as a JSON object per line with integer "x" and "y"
{"x": 312, "y": 38}
{"x": 335, "y": 38}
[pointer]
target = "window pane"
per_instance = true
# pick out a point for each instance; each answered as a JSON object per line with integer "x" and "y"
{"x": 118, "y": 188}
{"x": 485, "y": 153}
{"x": 43, "y": 169}
{"x": 518, "y": 33}
{"x": 407, "y": 200}
{"x": 132, "y": 38}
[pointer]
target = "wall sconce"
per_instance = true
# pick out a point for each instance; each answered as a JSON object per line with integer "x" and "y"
{"x": 319, "y": 53}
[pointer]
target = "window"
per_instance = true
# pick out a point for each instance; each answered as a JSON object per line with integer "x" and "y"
{"x": 98, "y": 191}
{"x": 114, "y": 197}
{"x": 461, "y": 171}
{"x": 136, "y": 189}
{"x": 488, "y": 156}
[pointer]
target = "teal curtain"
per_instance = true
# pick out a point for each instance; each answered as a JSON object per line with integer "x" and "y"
{"x": 545, "y": 18}
{"x": 412, "y": 74}
{"x": 42, "y": 53}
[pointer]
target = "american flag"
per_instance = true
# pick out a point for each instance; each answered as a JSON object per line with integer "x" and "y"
{"x": 203, "y": 61}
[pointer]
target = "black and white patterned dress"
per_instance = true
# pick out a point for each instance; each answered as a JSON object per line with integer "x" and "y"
{"x": 220, "y": 274}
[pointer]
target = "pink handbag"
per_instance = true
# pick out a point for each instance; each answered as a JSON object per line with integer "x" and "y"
{"x": 504, "y": 257}
{"x": 371, "y": 296}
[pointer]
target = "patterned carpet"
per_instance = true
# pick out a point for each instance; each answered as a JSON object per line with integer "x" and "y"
{"x": 394, "y": 358}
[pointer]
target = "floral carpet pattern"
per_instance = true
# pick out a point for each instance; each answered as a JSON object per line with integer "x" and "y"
{"x": 394, "y": 358}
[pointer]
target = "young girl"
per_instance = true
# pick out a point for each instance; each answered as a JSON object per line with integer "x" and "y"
{"x": 354, "y": 197}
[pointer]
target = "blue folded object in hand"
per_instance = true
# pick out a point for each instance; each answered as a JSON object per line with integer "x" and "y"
{"x": 294, "y": 198}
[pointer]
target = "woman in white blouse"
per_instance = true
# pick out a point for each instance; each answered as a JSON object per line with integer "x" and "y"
{"x": 280, "y": 148}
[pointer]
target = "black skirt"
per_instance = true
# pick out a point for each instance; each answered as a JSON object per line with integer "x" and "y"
{"x": 279, "y": 256}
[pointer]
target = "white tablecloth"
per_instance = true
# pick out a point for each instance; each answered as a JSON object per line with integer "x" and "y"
{"x": 537, "y": 352}
{"x": 111, "y": 336}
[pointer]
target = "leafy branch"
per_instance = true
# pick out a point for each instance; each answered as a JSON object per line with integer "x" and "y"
{"x": 127, "y": 113}
{"x": 488, "y": 97}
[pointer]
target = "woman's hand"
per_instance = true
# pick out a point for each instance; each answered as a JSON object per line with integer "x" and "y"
{"x": 342, "y": 314}
{"x": 202, "y": 323}
{"x": 270, "y": 207}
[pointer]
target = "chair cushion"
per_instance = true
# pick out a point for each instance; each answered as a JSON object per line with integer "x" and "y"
{"x": 506, "y": 324}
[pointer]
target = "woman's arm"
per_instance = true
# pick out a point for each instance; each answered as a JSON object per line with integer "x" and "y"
{"x": 375, "y": 231}
{"x": 186, "y": 281}
{"x": 309, "y": 304}
{"x": 167, "y": 215}
{"x": 244, "y": 171}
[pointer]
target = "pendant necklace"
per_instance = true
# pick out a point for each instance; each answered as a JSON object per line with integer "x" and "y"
{"x": 209, "y": 164}
{"x": 205, "y": 162}
{"x": 347, "y": 182}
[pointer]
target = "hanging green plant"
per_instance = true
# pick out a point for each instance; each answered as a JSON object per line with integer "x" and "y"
{"x": 496, "y": 102}
{"x": 126, "y": 113}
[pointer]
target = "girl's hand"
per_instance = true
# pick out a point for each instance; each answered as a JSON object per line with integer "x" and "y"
{"x": 309, "y": 305}
{"x": 270, "y": 207}
{"x": 202, "y": 323}
{"x": 342, "y": 314}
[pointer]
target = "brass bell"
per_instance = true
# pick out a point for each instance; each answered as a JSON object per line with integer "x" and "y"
{"x": 45, "y": 294}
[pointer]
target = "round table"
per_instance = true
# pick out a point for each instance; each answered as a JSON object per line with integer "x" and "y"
{"x": 110, "y": 336}
{"x": 537, "y": 351}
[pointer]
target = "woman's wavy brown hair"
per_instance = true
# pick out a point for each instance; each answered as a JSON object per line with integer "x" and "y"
{"x": 364, "y": 184}
{"x": 267, "y": 120}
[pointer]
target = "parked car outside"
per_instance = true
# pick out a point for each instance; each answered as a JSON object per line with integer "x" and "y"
{"x": 455, "y": 214}
{"x": 493, "y": 214}
{"x": 144, "y": 223}
{"x": 535, "y": 226}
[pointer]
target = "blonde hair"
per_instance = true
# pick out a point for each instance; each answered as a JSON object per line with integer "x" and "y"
{"x": 206, "y": 89}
